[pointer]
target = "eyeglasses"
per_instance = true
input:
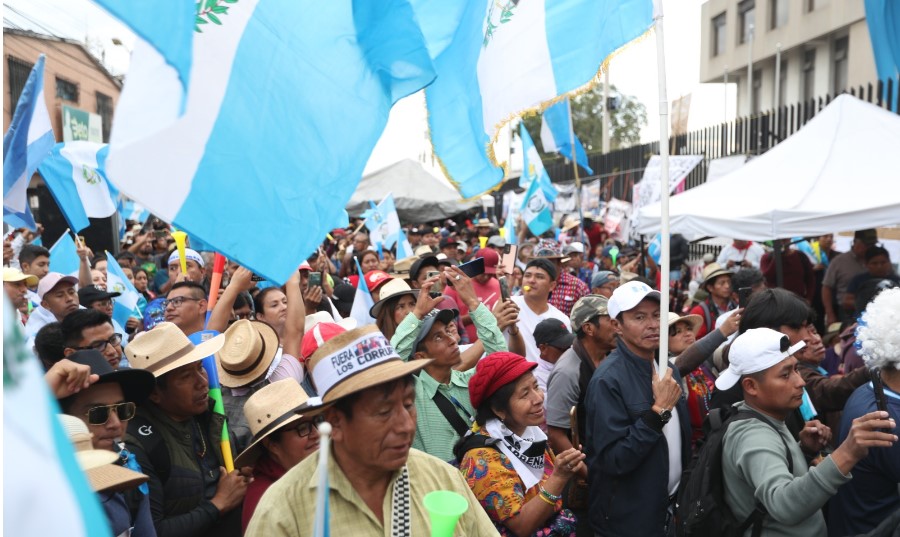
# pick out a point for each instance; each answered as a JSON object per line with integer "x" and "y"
{"x": 114, "y": 340}
{"x": 178, "y": 301}
{"x": 99, "y": 415}
{"x": 305, "y": 428}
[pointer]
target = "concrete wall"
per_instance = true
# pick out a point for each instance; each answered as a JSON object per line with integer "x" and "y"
{"x": 66, "y": 60}
{"x": 804, "y": 30}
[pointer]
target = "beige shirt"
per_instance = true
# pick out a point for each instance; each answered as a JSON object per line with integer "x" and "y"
{"x": 288, "y": 506}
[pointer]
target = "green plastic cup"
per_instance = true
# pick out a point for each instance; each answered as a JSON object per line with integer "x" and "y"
{"x": 444, "y": 509}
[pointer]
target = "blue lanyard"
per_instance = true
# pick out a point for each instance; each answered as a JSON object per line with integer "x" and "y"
{"x": 458, "y": 405}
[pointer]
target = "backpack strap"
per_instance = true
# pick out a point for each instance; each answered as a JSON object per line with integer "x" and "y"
{"x": 449, "y": 411}
{"x": 471, "y": 441}
{"x": 153, "y": 445}
{"x": 759, "y": 513}
{"x": 707, "y": 317}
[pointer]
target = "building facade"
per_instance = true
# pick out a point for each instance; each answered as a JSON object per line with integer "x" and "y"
{"x": 824, "y": 44}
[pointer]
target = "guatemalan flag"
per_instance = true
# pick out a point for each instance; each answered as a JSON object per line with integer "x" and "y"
{"x": 535, "y": 209}
{"x": 39, "y": 464}
{"x": 124, "y": 305}
{"x": 64, "y": 256}
{"x": 384, "y": 224}
{"x": 286, "y": 102}
{"x": 26, "y": 143}
{"x": 362, "y": 300}
{"x": 168, "y": 26}
{"x": 532, "y": 166}
{"x": 74, "y": 173}
{"x": 508, "y": 57}
{"x": 557, "y": 134}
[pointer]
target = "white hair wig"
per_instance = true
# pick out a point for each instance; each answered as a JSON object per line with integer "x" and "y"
{"x": 878, "y": 336}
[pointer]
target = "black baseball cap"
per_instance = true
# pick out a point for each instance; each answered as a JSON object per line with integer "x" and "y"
{"x": 136, "y": 383}
{"x": 544, "y": 264}
{"x": 427, "y": 261}
{"x": 445, "y": 316}
{"x": 89, "y": 294}
{"x": 553, "y": 332}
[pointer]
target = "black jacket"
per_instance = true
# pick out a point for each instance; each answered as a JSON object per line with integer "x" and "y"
{"x": 628, "y": 459}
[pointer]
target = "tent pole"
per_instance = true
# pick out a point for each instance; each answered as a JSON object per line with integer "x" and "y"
{"x": 779, "y": 264}
{"x": 664, "y": 191}
{"x": 577, "y": 178}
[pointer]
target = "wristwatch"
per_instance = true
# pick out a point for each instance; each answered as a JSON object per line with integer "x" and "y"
{"x": 664, "y": 414}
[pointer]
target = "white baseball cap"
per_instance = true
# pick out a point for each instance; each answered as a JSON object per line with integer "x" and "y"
{"x": 629, "y": 295}
{"x": 753, "y": 351}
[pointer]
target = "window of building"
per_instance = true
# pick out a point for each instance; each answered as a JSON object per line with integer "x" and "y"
{"x": 18, "y": 75}
{"x": 782, "y": 84}
{"x": 67, "y": 91}
{"x": 757, "y": 91}
{"x": 809, "y": 74}
{"x": 105, "y": 111}
{"x": 812, "y": 5}
{"x": 746, "y": 13}
{"x": 840, "y": 64}
{"x": 778, "y": 13}
{"x": 718, "y": 34}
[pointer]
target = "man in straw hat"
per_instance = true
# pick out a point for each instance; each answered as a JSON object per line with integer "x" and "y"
{"x": 376, "y": 479}
{"x": 717, "y": 284}
{"x": 250, "y": 354}
{"x": 111, "y": 482}
{"x": 175, "y": 437}
{"x": 16, "y": 284}
{"x": 282, "y": 437}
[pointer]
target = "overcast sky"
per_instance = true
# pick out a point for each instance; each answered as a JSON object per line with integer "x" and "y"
{"x": 633, "y": 71}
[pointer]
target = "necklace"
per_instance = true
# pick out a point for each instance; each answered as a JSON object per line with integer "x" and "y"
{"x": 201, "y": 454}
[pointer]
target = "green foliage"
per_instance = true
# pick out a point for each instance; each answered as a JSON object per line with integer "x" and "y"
{"x": 208, "y": 11}
{"x": 625, "y": 122}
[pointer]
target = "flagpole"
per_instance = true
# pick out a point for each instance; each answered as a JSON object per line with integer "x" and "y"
{"x": 664, "y": 190}
{"x": 577, "y": 178}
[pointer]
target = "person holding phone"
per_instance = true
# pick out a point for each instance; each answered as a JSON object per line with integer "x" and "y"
{"x": 486, "y": 288}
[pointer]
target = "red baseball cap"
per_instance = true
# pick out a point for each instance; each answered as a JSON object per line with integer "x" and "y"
{"x": 377, "y": 278}
{"x": 495, "y": 371}
{"x": 316, "y": 337}
{"x": 491, "y": 259}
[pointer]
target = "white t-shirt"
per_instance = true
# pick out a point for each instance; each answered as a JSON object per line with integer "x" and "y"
{"x": 672, "y": 432}
{"x": 753, "y": 253}
{"x": 528, "y": 320}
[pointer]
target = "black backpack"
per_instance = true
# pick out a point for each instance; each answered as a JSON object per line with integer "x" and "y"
{"x": 702, "y": 510}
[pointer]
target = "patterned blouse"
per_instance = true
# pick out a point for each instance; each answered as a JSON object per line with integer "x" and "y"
{"x": 501, "y": 493}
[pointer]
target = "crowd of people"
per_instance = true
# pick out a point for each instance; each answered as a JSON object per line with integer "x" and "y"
{"x": 530, "y": 387}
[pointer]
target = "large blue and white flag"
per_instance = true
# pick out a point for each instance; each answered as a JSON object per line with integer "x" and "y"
{"x": 535, "y": 209}
{"x": 26, "y": 143}
{"x": 532, "y": 167}
{"x": 124, "y": 305}
{"x": 64, "y": 256}
{"x": 132, "y": 210}
{"x": 39, "y": 464}
{"x": 168, "y": 26}
{"x": 557, "y": 134}
{"x": 74, "y": 173}
{"x": 509, "y": 57}
{"x": 404, "y": 248}
{"x": 362, "y": 300}
{"x": 883, "y": 22}
{"x": 274, "y": 138}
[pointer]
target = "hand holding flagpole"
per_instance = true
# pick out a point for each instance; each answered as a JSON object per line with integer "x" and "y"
{"x": 664, "y": 191}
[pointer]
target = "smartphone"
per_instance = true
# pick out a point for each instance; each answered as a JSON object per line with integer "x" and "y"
{"x": 744, "y": 296}
{"x": 256, "y": 278}
{"x": 473, "y": 267}
{"x": 508, "y": 259}
{"x": 159, "y": 233}
{"x": 438, "y": 287}
{"x": 573, "y": 423}
{"x": 504, "y": 288}
{"x": 315, "y": 279}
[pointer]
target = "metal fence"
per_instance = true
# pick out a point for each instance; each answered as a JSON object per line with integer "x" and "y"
{"x": 619, "y": 170}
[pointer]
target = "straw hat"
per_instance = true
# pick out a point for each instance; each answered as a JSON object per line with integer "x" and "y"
{"x": 694, "y": 321}
{"x": 713, "y": 271}
{"x": 324, "y": 317}
{"x": 402, "y": 266}
{"x": 569, "y": 223}
{"x": 356, "y": 360}
{"x": 15, "y": 275}
{"x": 248, "y": 351}
{"x": 391, "y": 289}
{"x": 99, "y": 464}
{"x": 272, "y": 408}
{"x": 166, "y": 348}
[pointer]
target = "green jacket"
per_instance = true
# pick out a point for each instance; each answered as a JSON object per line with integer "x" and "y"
{"x": 181, "y": 483}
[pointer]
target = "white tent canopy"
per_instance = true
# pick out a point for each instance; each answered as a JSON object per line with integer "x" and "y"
{"x": 839, "y": 171}
{"x": 419, "y": 195}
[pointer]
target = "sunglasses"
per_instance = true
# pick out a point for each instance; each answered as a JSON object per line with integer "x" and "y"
{"x": 114, "y": 340}
{"x": 305, "y": 428}
{"x": 99, "y": 415}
